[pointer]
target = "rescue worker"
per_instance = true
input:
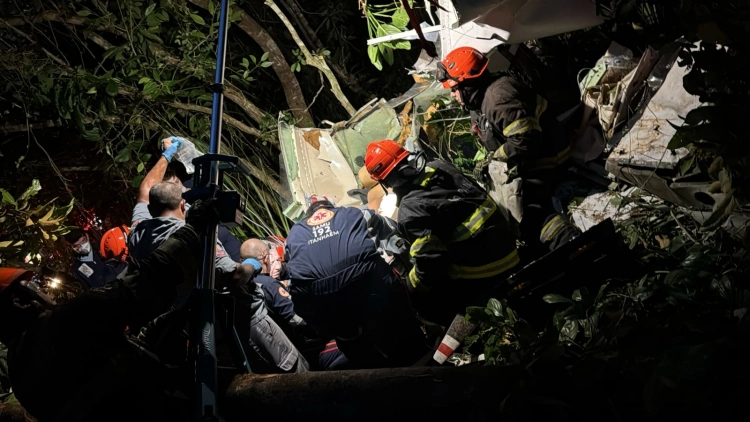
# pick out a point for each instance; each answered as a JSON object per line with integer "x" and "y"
{"x": 89, "y": 267}
{"x": 164, "y": 200}
{"x": 278, "y": 301}
{"x": 276, "y": 292}
{"x": 113, "y": 248}
{"x": 461, "y": 245}
{"x": 526, "y": 145}
{"x": 65, "y": 365}
{"x": 342, "y": 287}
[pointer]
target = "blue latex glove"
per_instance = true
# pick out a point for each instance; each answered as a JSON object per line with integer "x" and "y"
{"x": 172, "y": 150}
{"x": 253, "y": 262}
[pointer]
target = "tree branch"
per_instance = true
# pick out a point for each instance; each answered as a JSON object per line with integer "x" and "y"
{"x": 289, "y": 83}
{"x": 232, "y": 93}
{"x": 351, "y": 81}
{"x": 32, "y": 126}
{"x": 313, "y": 60}
{"x": 231, "y": 121}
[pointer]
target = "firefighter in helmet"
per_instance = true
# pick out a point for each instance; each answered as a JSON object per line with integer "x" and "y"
{"x": 527, "y": 146}
{"x": 113, "y": 248}
{"x": 460, "y": 244}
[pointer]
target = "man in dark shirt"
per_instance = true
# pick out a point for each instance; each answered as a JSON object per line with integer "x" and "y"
{"x": 89, "y": 267}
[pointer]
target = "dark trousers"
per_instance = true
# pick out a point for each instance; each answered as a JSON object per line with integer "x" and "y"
{"x": 538, "y": 211}
{"x": 370, "y": 318}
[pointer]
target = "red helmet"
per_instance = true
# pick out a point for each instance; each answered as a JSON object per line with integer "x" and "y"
{"x": 382, "y": 157}
{"x": 114, "y": 243}
{"x": 461, "y": 64}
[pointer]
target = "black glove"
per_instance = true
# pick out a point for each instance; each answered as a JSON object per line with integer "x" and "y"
{"x": 480, "y": 169}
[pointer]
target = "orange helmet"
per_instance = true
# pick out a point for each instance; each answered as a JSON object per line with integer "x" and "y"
{"x": 461, "y": 64}
{"x": 382, "y": 157}
{"x": 114, "y": 243}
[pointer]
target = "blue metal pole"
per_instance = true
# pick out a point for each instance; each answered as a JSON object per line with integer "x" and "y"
{"x": 206, "y": 384}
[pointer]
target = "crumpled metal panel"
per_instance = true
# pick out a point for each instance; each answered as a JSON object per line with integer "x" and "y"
{"x": 598, "y": 207}
{"x": 525, "y": 20}
{"x": 314, "y": 165}
{"x": 645, "y": 142}
{"x": 369, "y": 124}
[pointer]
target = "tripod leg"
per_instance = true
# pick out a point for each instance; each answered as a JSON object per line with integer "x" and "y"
{"x": 238, "y": 351}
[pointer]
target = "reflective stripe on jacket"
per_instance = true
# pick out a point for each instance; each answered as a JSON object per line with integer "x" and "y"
{"x": 455, "y": 230}
{"x": 515, "y": 128}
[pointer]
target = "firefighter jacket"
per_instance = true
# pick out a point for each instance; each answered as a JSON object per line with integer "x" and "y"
{"x": 512, "y": 124}
{"x": 455, "y": 230}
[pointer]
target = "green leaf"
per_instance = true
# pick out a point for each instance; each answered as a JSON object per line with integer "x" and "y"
{"x": 112, "y": 87}
{"x": 400, "y": 18}
{"x": 31, "y": 191}
{"x": 144, "y": 80}
{"x": 48, "y": 215}
{"x": 8, "y": 198}
{"x": 211, "y": 7}
{"x": 401, "y": 45}
{"x": 264, "y": 57}
{"x": 83, "y": 13}
{"x": 150, "y": 35}
{"x": 687, "y": 165}
{"x": 374, "y": 54}
{"x": 197, "y": 19}
{"x": 496, "y": 307}
{"x": 153, "y": 20}
{"x": 140, "y": 167}
{"x": 254, "y": 59}
{"x": 123, "y": 155}
{"x": 266, "y": 64}
{"x": 388, "y": 55}
{"x": 553, "y": 298}
{"x": 245, "y": 63}
{"x": 137, "y": 180}
{"x": 150, "y": 9}
{"x": 569, "y": 330}
{"x": 387, "y": 29}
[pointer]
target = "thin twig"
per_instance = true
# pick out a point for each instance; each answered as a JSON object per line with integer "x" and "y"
{"x": 322, "y": 85}
{"x": 17, "y": 31}
{"x": 683, "y": 227}
{"x": 314, "y": 60}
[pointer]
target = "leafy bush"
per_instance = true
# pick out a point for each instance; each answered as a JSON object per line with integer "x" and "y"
{"x": 26, "y": 228}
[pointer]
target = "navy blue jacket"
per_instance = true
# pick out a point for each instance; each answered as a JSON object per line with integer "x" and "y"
{"x": 95, "y": 273}
{"x": 330, "y": 249}
{"x": 277, "y": 297}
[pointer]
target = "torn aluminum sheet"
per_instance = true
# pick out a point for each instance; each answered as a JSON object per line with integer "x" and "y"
{"x": 326, "y": 161}
{"x": 598, "y": 207}
{"x": 643, "y": 143}
{"x": 490, "y": 23}
{"x": 371, "y": 123}
{"x": 314, "y": 165}
{"x": 526, "y": 20}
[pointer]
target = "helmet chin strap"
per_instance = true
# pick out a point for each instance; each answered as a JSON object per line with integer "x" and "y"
{"x": 406, "y": 172}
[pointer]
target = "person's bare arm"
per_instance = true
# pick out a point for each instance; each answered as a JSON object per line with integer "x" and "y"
{"x": 156, "y": 174}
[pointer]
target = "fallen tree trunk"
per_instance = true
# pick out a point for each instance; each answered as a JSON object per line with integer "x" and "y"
{"x": 445, "y": 393}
